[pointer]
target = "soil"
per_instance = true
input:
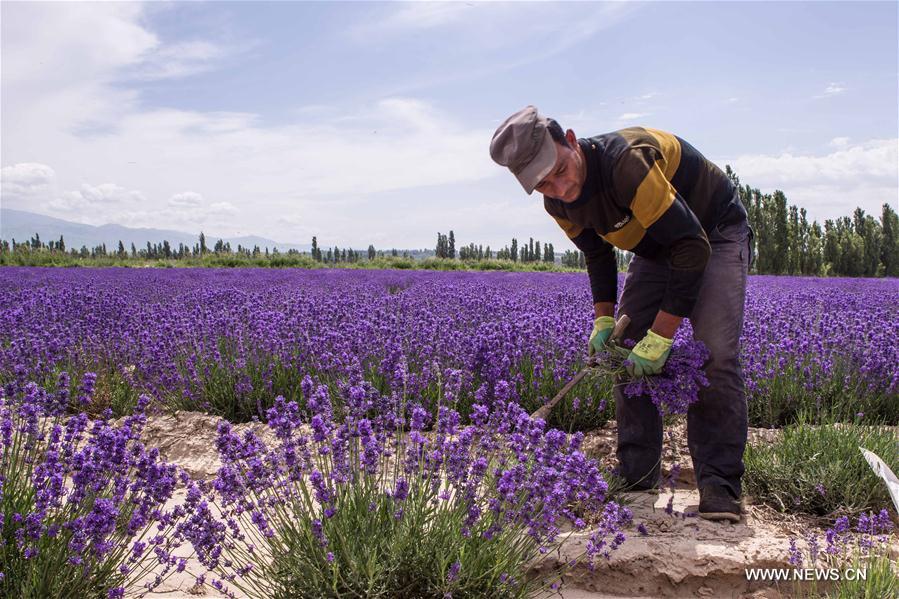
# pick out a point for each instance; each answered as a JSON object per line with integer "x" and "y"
{"x": 681, "y": 556}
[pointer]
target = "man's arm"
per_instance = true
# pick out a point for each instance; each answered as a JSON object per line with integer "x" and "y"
{"x": 640, "y": 182}
{"x": 666, "y": 324}
{"x": 604, "y": 309}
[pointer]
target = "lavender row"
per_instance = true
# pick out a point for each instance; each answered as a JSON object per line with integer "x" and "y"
{"x": 227, "y": 341}
{"x": 87, "y": 510}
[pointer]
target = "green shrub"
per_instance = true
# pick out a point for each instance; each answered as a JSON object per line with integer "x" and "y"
{"x": 819, "y": 470}
{"x": 881, "y": 580}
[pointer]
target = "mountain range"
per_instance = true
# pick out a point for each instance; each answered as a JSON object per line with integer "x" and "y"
{"x": 22, "y": 226}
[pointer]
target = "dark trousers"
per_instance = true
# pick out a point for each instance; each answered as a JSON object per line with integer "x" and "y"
{"x": 717, "y": 423}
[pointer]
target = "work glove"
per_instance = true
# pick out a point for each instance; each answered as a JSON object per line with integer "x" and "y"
{"x": 648, "y": 356}
{"x": 602, "y": 330}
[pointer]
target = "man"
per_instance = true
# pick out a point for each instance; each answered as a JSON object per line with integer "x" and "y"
{"x": 652, "y": 193}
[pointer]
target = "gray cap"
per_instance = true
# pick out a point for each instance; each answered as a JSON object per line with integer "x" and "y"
{"x": 523, "y": 144}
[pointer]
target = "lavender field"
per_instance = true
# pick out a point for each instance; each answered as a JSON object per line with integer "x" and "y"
{"x": 229, "y": 341}
{"x": 384, "y": 393}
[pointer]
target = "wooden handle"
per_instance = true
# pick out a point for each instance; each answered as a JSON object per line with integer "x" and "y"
{"x": 544, "y": 410}
{"x": 620, "y": 326}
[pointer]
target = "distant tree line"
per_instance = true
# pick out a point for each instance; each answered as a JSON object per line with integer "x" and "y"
{"x": 336, "y": 254}
{"x": 787, "y": 244}
{"x": 576, "y": 259}
{"x": 529, "y": 252}
{"x": 164, "y": 250}
{"x": 153, "y": 251}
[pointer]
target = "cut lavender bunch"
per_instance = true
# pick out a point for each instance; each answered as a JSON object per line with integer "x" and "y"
{"x": 672, "y": 391}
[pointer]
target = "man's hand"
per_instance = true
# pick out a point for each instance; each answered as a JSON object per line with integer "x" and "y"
{"x": 602, "y": 330}
{"x": 649, "y": 356}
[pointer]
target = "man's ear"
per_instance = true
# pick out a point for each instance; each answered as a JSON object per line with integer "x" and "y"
{"x": 571, "y": 138}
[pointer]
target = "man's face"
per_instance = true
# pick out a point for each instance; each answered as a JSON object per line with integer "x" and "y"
{"x": 564, "y": 182}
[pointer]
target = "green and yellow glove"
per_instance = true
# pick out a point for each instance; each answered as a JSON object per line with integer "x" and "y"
{"x": 648, "y": 356}
{"x": 602, "y": 330}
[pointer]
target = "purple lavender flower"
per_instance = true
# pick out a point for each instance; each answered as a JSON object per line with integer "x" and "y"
{"x": 87, "y": 387}
{"x": 795, "y": 555}
{"x": 682, "y": 378}
{"x": 453, "y": 571}
{"x": 402, "y": 490}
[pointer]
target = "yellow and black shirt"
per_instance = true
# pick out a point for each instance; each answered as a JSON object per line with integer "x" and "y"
{"x": 652, "y": 193}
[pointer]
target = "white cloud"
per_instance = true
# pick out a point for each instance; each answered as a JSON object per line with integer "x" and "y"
{"x": 222, "y": 208}
{"x": 193, "y": 211}
{"x": 424, "y": 15}
{"x": 110, "y": 193}
{"x": 34, "y": 187}
{"x": 180, "y": 60}
{"x": 832, "y": 89}
{"x": 21, "y": 184}
{"x": 395, "y": 144}
{"x": 111, "y": 203}
{"x": 64, "y": 64}
{"x": 630, "y": 116}
{"x": 861, "y": 174}
{"x": 84, "y": 42}
{"x": 91, "y": 198}
{"x": 186, "y": 198}
{"x": 482, "y": 44}
{"x": 838, "y": 142}
{"x": 874, "y": 159}
{"x": 71, "y": 42}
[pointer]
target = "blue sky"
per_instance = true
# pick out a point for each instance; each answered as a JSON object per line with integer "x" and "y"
{"x": 370, "y": 122}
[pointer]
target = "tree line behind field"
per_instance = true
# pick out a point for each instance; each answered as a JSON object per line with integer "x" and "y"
{"x": 849, "y": 246}
{"x": 786, "y": 243}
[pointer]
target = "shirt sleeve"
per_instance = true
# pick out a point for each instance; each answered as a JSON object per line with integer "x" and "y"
{"x": 641, "y": 185}
{"x": 602, "y": 266}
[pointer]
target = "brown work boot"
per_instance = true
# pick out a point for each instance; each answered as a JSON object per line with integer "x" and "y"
{"x": 716, "y": 502}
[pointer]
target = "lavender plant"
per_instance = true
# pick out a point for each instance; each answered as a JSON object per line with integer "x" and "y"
{"x": 864, "y": 547}
{"x": 81, "y": 504}
{"x": 377, "y": 505}
{"x": 818, "y": 469}
{"x": 795, "y": 361}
